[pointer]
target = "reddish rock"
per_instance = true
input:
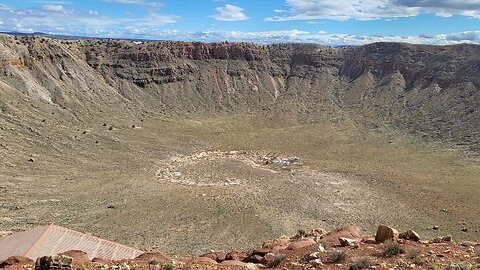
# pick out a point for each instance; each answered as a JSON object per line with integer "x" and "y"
{"x": 410, "y": 235}
{"x": 301, "y": 244}
{"x": 385, "y": 233}
{"x": 100, "y": 260}
{"x": 16, "y": 261}
{"x": 236, "y": 255}
{"x": 79, "y": 257}
{"x": 276, "y": 249}
{"x": 201, "y": 260}
{"x": 261, "y": 251}
{"x": 347, "y": 242}
{"x": 232, "y": 263}
{"x": 369, "y": 240}
{"x": 153, "y": 256}
{"x": 350, "y": 232}
{"x": 216, "y": 256}
{"x": 254, "y": 259}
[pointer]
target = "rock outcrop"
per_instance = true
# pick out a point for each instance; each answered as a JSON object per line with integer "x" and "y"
{"x": 431, "y": 91}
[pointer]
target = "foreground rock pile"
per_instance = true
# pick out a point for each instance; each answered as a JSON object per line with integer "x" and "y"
{"x": 342, "y": 248}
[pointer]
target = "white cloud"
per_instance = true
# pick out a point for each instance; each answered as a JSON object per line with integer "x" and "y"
{"x": 53, "y": 8}
{"x": 230, "y": 13}
{"x": 136, "y": 2}
{"x": 4, "y": 7}
{"x": 375, "y": 9}
{"x": 58, "y": 20}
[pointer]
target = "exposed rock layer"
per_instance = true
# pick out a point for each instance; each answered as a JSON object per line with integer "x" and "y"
{"x": 431, "y": 91}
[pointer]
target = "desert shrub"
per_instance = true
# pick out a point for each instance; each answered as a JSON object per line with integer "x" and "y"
{"x": 362, "y": 263}
{"x": 392, "y": 249}
{"x": 435, "y": 265}
{"x": 277, "y": 259}
{"x": 168, "y": 266}
{"x": 301, "y": 233}
{"x": 153, "y": 262}
{"x": 478, "y": 257}
{"x": 459, "y": 266}
{"x": 337, "y": 256}
{"x": 414, "y": 256}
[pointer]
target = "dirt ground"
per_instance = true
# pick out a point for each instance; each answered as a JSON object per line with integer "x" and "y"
{"x": 187, "y": 186}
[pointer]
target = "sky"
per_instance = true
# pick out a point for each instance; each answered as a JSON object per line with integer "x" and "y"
{"x": 327, "y": 22}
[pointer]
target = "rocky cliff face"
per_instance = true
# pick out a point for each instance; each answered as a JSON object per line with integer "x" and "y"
{"x": 429, "y": 91}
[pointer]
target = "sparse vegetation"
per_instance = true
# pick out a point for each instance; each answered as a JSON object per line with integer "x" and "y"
{"x": 362, "y": 263}
{"x": 301, "y": 233}
{"x": 168, "y": 266}
{"x": 414, "y": 256}
{"x": 392, "y": 248}
{"x": 338, "y": 256}
{"x": 459, "y": 266}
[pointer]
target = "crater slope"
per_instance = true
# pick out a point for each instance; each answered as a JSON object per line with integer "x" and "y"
{"x": 159, "y": 145}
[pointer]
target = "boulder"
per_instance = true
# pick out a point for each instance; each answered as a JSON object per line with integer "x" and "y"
{"x": 201, "y": 261}
{"x": 56, "y": 262}
{"x": 216, "y": 256}
{"x": 410, "y": 235}
{"x": 79, "y": 257}
{"x": 369, "y": 240}
{"x": 17, "y": 261}
{"x": 261, "y": 251}
{"x": 301, "y": 244}
{"x": 385, "y": 233}
{"x": 153, "y": 256}
{"x": 350, "y": 232}
{"x": 347, "y": 242}
{"x": 276, "y": 249}
{"x": 254, "y": 259}
{"x": 236, "y": 255}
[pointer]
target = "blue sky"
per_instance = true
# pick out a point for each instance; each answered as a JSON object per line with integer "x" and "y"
{"x": 329, "y": 22}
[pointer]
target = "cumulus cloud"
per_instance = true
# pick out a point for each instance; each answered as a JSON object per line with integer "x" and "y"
{"x": 335, "y": 39}
{"x": 472, "y": 36}
{"x": 55, "y": 19}
{"x": 230, "y": 13}
{"x": 375, "y": 9}
{"x": 53, "y": 8}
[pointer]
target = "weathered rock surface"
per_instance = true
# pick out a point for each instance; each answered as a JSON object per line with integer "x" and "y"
{"x": 56, "y": 262}
{"x": 154, "y": 256}
{"x": 19, "y": 261}
{"x": 351, "y": 232}
{"x": 409, "y": 235}
{"x": 79, "y": 257}
{"x": 299, "y": 244}
{"x": 385, "y": 233}
{"x": 426, "y": 90}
